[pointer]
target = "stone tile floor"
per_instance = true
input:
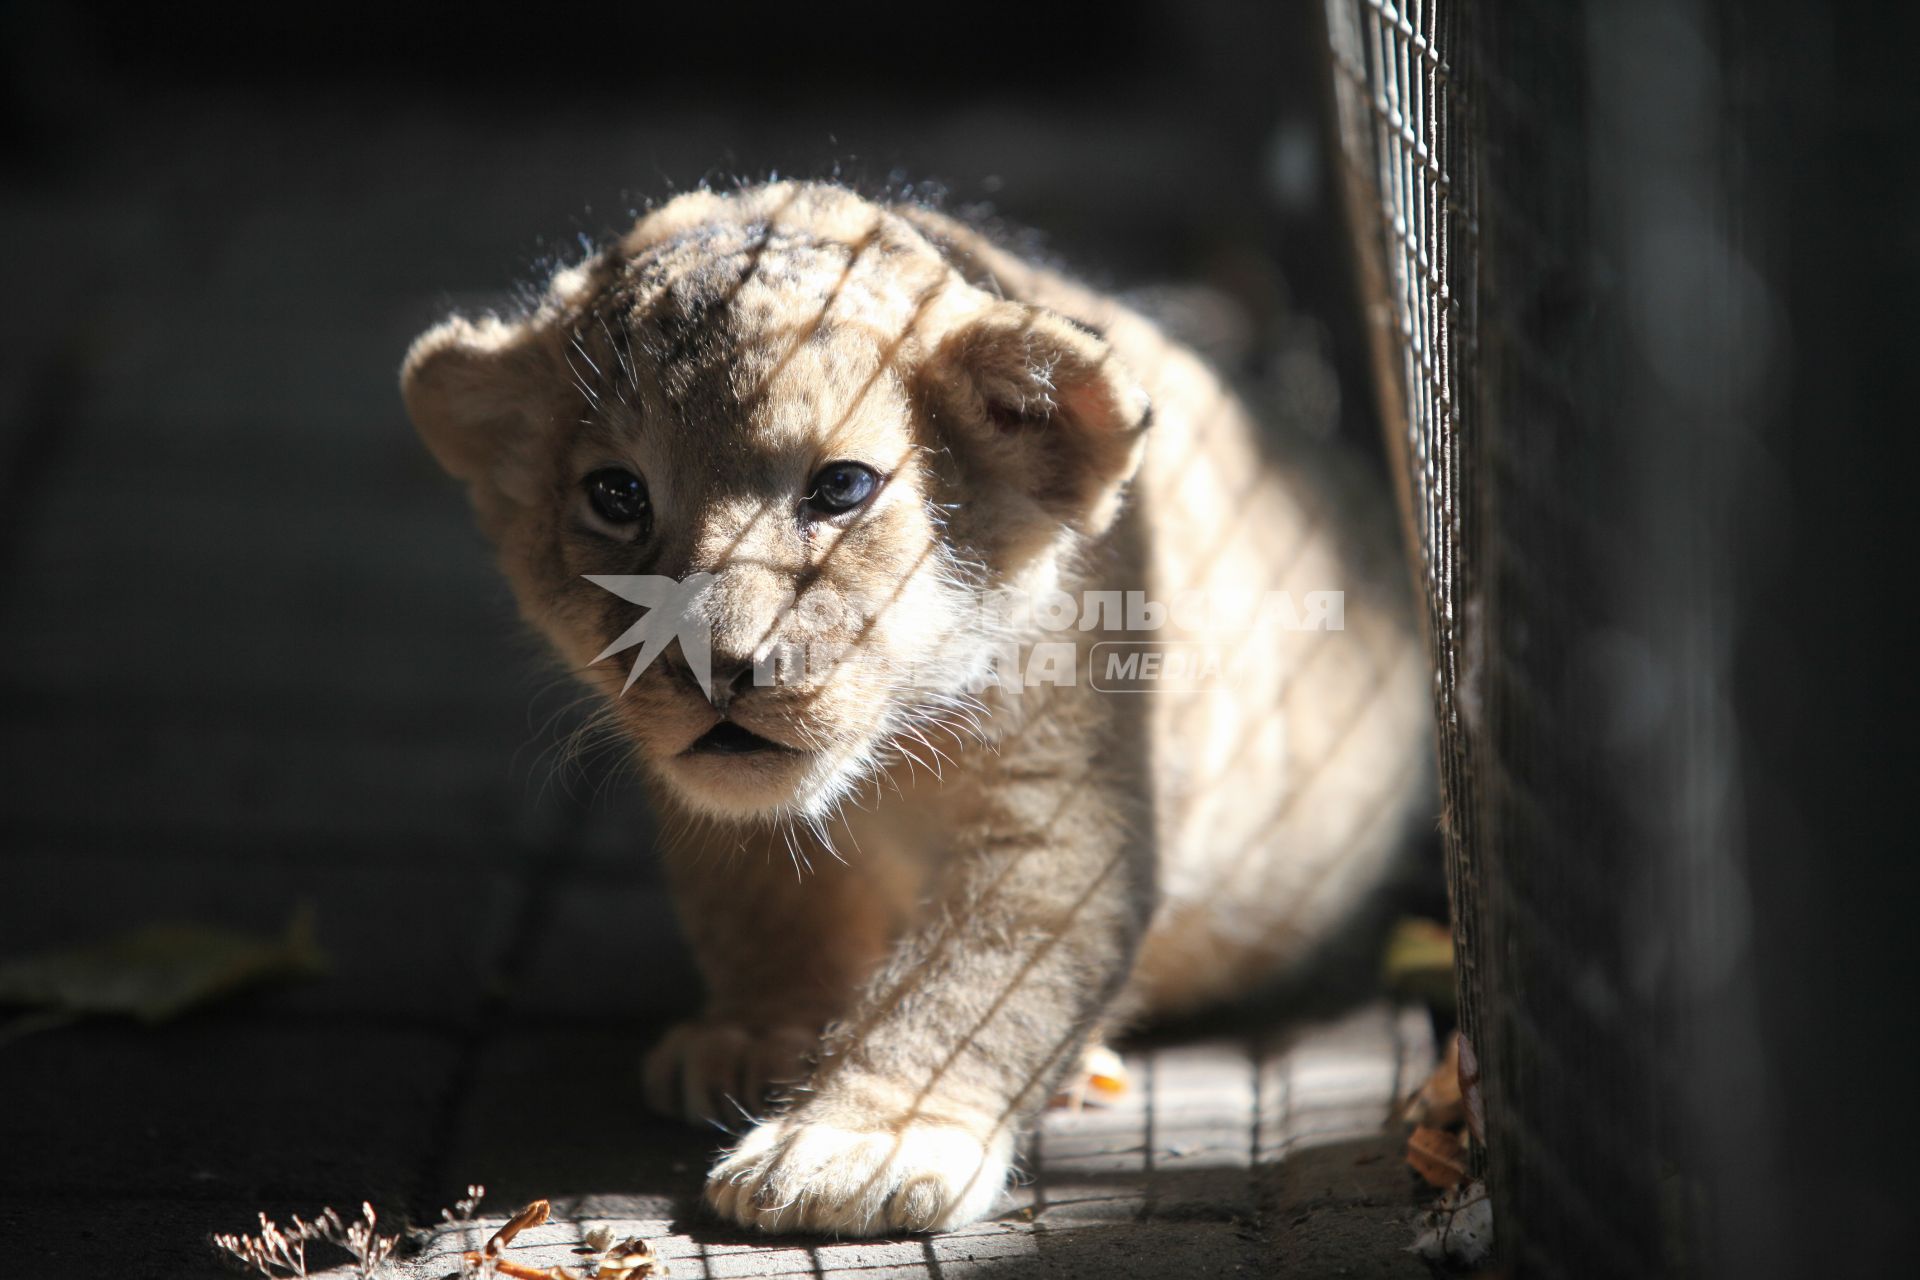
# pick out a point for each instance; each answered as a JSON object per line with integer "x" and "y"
{"x": 1220, "y": 1161}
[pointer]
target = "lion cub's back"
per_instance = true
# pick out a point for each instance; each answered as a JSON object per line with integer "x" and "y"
{"x": 1282, "y": 791}
{"x": 1285, "y": 783}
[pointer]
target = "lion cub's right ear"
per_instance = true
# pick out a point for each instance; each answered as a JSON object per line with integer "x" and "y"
{"x": 1044, "y": 414}
{"x": 484, "y": 394}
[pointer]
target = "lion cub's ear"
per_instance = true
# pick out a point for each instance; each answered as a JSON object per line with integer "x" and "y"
{"x": 1040, "y": 410}
{"x": 483, "y": 394}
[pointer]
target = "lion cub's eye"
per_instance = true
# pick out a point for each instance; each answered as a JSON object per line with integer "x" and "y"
{"x": 842, "y": 486}
{"x": 619, "y": 497}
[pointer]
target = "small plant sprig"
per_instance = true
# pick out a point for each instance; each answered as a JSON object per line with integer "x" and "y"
{"x": 280, "y": 1253}
{"x": 462, "y": 1212}
{"x": 275, "y": 1252}
{"x": 360, "y": 1238}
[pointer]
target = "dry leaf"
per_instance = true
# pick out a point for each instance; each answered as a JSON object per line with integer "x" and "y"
{"x": 159, "y": 972}
{"x": 1438, "y": 1155}
{"x": 1437, "y": 1102}
{"x": 1470, "y": 1090}
{"x": 621, "y": 1264}
{"x": 631, "y": 1259}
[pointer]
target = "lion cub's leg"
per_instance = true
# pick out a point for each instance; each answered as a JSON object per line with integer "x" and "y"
{"x": 782, "y": 952}
{"x": 963, "y": 1035}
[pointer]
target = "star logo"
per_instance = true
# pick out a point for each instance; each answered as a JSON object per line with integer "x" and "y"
{"x": 672, "y": 607}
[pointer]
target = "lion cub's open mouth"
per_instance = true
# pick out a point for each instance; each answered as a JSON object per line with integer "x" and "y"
{"x": 729, "y": 739}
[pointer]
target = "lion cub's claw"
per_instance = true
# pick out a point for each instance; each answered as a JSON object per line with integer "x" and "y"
{"x": 714, "y": 1070}
{"x": 793, "y": 1175}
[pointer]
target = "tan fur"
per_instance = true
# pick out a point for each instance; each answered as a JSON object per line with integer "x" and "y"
{"x": 1021, "y": 867}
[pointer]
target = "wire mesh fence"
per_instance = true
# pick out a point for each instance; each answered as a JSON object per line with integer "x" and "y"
{"x": 1400, "y": 114}
{"x": 1572, "y": 304}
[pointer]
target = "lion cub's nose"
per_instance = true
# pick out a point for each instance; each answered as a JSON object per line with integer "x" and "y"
{"x": 731, "y": 677}
{"x": 727, "y": 676}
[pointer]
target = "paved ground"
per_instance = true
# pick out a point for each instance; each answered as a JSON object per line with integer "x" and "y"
{"x": 252, "y": 656}
{"x": 1230, "y": 1157}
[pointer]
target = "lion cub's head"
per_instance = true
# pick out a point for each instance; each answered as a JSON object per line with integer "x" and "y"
{"x": 781, "y": 419}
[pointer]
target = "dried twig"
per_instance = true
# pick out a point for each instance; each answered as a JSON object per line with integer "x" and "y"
{"x": 514, "y": 1271}
{"x": 532, "y": 1216}
{"x": 631, "y": 1259}
{"x": 487, "y": 1261}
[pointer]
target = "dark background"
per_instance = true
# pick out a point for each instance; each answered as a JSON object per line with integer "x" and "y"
{"x": 252, "y": 654}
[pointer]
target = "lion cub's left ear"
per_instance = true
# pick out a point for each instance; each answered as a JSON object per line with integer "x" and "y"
{"x": 485, "y": 396}
{"x": 1037, "y": 406}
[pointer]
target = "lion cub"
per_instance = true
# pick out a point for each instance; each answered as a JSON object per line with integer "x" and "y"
{"x": 1011, "y": 684}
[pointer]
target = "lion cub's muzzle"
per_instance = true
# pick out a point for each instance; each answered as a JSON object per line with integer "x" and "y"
{"x": 731, "y": 739}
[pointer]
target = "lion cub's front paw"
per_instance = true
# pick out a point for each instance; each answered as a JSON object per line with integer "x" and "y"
{"x": 914, "y": 1175}
{"x": 713, "y": 1069}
